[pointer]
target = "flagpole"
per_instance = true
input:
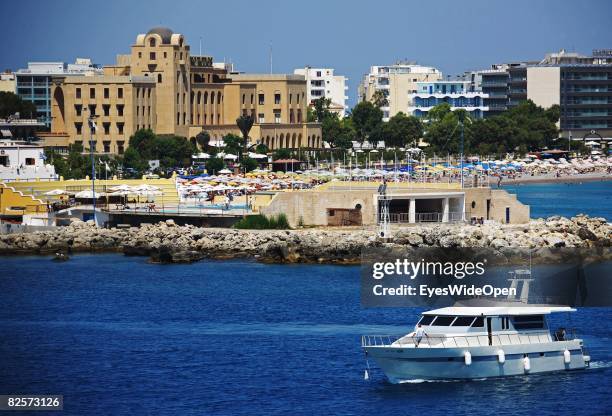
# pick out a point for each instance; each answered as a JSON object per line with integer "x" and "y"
{"x": 92, "y": 128}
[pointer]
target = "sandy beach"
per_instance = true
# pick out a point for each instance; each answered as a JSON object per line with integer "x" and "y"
{"x": 550, "y": 178}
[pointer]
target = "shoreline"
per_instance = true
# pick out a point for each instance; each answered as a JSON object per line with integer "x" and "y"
{"x": 554, "y": 179}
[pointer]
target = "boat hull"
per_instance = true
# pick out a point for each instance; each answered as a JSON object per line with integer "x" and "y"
{"x": 402, "y": 364}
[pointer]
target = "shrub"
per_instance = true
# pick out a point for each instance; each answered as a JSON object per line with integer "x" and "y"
{"x": 261, "y": 222}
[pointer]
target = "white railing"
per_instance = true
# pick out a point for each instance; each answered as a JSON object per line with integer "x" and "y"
{"x": 443, "y": 341}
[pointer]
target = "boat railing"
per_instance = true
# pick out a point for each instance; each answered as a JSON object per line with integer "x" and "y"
{"x": 450, "y": 341}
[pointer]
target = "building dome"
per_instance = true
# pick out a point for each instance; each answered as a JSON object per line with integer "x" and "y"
{"x": 163, "y": 32}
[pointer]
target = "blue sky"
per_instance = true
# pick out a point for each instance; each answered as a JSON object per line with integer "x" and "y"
{"x": 347, "y": 35}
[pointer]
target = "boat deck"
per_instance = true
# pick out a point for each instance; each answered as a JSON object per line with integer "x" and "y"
{"x": 456, "y": 341}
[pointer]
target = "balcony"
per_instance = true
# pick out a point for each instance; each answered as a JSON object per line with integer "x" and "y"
{"x": 491, "y": 84}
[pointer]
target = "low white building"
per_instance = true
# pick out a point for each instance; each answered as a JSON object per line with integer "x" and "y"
{"x": 22, "y": 161}
{"x": 322, "y": 83}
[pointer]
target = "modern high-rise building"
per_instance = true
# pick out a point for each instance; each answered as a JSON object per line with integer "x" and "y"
{"x": 322, "y": 83}
{"x": 396, "y": 82}
{"x": 458, "y": 94}
{"x": 34, "y": 83}
{"x": 581, "y": 85}
{"x": 161, "y": 86}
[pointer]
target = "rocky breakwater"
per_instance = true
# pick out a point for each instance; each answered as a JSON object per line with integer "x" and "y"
{"x": 166, "y": 242}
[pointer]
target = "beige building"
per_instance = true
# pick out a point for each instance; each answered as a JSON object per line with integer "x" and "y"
{"x": 357, "y": 203}
{"x": 543, "y": 85}
{"x": 396, "y": 82}
{"x": 8, "y": 83}
{"x": 160, "y": 86}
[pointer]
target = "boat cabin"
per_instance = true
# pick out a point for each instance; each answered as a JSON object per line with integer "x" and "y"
{"x": 473, "y": 320}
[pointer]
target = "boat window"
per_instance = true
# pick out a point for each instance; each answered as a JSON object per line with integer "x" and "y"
{"x": 528, "y": 322}
{"x": 478, "y": 322}
{"x": 443, "y": 320}
{"x": 426, "y": 320}
{"x": 505, "y": 322}
{"x": 463, "y": 321}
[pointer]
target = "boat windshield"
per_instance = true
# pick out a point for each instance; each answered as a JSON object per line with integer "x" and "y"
{"x": 438, "y": 320}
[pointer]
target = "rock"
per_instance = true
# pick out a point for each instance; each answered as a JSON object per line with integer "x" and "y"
{"x": 449, "y": 241}
{"x": 554, "y": 240}
{"x": 499, "y": 243}
{"x": 586, "y": 234}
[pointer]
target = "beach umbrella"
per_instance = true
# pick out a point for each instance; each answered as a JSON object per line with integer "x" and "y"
{"x": 88, "y": 194}
{"x": 121, "y": 188}
{"x": 225, "y": 171}
{"x": 230, "y": 156}
{"x": 146, "y": 187}
{"x": 257, "y": 156}
{"x": 55, "y": 192}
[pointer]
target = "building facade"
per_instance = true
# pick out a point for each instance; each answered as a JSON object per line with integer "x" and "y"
{"x": 161, "y": 86}
{"x": 495, "y": 85}
{"x": 8, "y": 83}
{"x": 396, "y": 82}
{"x": 580, "y": 85}
{"x": 458, "y": 94}
{"x": 322, "y": 83}
{"x": 34, "y": 83}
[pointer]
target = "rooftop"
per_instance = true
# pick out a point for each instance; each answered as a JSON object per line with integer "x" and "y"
{"x": 499, "y": 310}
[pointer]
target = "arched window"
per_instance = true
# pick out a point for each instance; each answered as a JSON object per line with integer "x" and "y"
{"x": 152, "y": 42}
{"x": 159, "y": 78}
{"x": 205, "y": 97}
{"x": 212, "y": 98}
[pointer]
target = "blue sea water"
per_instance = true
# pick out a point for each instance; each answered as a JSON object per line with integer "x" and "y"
{"x": 566, "y": 199}
{"x": 116, "y": 335}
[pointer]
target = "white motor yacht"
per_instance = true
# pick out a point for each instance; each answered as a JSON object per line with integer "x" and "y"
{"x": 478, "y": 342}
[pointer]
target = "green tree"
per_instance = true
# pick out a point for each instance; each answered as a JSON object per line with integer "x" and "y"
{"x": 262, "y": 149}
{"x": 249, "y": 164}
{"x": 214, "y": 165}
{"x": 402, "y": 130}
{"x": 233, "y": 144}
{"x": 321, "y": 110}
{"x": 171, "y": 151}
{"x": 338, "y": 133}
{"x": 11, "y": 103}
{"x": 132, "y": 159}
{"x": 366, "y": 118}
{"x": 203, "y": 139}
{"x": 443, "y": 131}
{"x": 281, "y": 154}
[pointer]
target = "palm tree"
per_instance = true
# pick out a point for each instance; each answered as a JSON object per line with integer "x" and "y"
{"x": 379, "y": 99}
{"x": 245, "y": 123}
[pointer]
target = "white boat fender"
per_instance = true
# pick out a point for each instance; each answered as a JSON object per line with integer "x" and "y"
{"x": 366, "y": 376}
{"x": 526, "y": 363}
{"x": 567, "y": 357}
{"x": 501, "y": 356}
{"x": 467, "y": 357}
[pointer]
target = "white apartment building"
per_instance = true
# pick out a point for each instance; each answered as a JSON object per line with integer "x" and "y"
{"x": 322, "y": 83}
{"x": 396, "y": 82}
